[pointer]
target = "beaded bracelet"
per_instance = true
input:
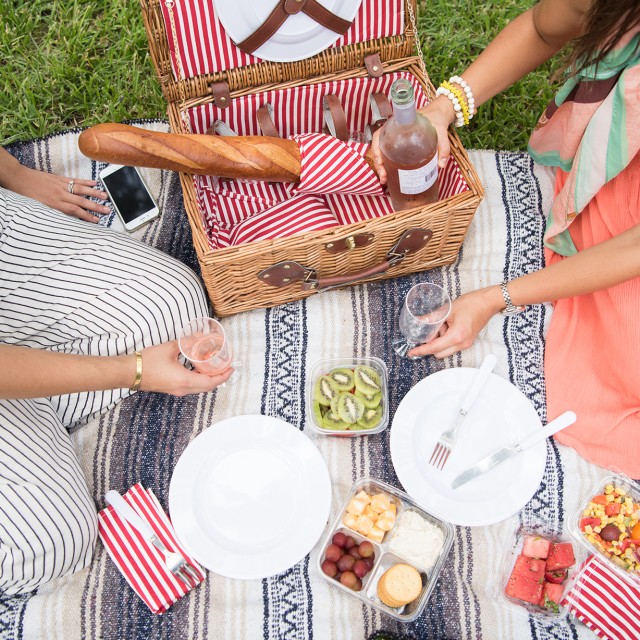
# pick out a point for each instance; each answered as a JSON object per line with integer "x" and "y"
{"x": 443, "y": 91}
{"x": 461, "y": 98}
{"x": 467, "y": 92}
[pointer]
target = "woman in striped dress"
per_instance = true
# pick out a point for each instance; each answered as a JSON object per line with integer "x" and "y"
{"x": 591, "y": 134}
{"x": 78, "y": 303}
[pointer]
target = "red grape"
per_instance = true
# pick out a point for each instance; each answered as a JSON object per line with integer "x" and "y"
{"x": 339, "y": 539}
{"x": 369, "y": 562}
{"x": 354, "y": 552}
{"x": 333, "y": 553}
{"x": 330, "y": 568}
{"x": 346, "y": 563}
{"x": 360, "y": 568}
{"x": 358, "y": 585}
{"x": 366, "y": 549}
{"x": 350, "y": 543}
{"x": 349, "y": 579}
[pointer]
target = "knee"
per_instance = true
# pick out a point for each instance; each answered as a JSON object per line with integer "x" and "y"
{"x": 44, "y": 537}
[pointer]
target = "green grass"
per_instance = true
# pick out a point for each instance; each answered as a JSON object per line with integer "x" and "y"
{"x": 75, "y": 63}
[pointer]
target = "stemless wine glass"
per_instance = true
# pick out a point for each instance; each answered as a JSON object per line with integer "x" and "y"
{"x": 425, "y": 308}
{"x": 204, "y": 344}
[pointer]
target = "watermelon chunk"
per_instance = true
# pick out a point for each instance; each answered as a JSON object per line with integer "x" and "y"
{"x": 551, "y": 596}
{"x": 524, "y": 589}
{"x": 535, "y": 547}
{"x": 529, "y": 568}
{"x": 560, "y": 556}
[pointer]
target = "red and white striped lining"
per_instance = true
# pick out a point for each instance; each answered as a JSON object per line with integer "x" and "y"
{"x": 140, "y": 562}
{"x": 328, "y": 167}
{"x": 607, "y": 603}
{"x": 204, "y": 46}
{"x": 298, "y": 110}
{"x": 302, "y": 213}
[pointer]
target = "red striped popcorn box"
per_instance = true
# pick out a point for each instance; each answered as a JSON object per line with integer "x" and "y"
{"x": 139, "y": 561}
{"x": 303, "y": 213}
{"x": 607, "y": 603}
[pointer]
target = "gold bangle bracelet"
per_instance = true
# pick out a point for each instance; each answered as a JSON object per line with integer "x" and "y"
{"x": 136, "y": 383}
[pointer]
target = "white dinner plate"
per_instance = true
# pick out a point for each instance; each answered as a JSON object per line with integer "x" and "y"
{"x": 501, "y": 416}
{"x": 250, "y": 497}
{"x": 299, "y": 36}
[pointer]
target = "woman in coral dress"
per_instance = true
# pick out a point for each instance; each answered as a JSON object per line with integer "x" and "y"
{"x": 591, "y": 134}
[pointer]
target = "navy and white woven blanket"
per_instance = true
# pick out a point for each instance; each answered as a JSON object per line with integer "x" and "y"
{"x": 142, "y": 439}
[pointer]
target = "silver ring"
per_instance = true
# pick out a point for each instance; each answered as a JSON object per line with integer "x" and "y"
{"x": 70, "y": 186}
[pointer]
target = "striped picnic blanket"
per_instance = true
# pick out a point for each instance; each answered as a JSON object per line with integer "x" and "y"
{"x": 141, "y": 439}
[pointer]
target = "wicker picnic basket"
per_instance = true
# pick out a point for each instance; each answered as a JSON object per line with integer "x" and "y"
{"x": 266, "y": 273}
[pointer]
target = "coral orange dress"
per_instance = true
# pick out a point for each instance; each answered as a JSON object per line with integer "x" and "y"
{"x": 592, "y": 357}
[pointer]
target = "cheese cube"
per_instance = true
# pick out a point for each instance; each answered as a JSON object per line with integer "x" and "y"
{"x": 392, "y": 507}
{"x": 376, "y": 534}
{"x": 370, "y": 513}
{"x": 380, "y": 502}
{"x": 356, "y": 507}
{"x": 363, "y": 496}
{"x": 364, "y": 525}
{"x": 385, "y": 523}
{"x": 350, "y": 520}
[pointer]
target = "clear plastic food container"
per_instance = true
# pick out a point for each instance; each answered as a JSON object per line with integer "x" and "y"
{"x": 627, "y": 563}
{"x": 384, "y": 557}
{"x": 550, "y": 575}
{"x": 324, "y": 367}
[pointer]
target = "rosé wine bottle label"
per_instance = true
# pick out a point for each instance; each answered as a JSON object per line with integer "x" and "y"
{"x": 414, "y": 181}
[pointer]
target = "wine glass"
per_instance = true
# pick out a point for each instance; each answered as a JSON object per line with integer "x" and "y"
{"x": 204, "y": 344}
{"x": 425, "y": 308}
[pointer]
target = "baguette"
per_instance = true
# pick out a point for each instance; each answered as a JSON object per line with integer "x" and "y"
{"x": 244, "y": 157}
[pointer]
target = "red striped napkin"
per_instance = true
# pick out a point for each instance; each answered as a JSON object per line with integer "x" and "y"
{"x": 607, "y": 603}
{"x": 139, "y": 561}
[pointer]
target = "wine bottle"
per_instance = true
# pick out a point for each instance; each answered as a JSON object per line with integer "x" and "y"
{"x": 409, "y": 147}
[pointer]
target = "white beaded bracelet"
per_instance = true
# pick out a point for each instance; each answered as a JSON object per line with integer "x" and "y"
{"x": 456, "y": 104}
{"x": 467, "y": 92}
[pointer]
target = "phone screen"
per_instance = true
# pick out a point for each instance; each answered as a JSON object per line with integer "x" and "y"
{"x": 128, "y": 193}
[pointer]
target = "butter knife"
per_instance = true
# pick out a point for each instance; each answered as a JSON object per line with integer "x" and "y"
{"x": 482, "y": 466}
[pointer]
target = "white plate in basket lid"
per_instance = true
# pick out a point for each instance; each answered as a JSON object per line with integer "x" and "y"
{"x": 298, "y": 37}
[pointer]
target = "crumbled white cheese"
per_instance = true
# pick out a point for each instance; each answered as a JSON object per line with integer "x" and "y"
{"x": 417, "y": 540}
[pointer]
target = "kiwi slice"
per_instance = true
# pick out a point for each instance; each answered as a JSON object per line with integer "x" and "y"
{"x": 370, "y": 419}
{"x": 343, "y": 377}
{"x": 334, "y": 422}
{"x": 370, "y": 401}
{"x": 334, "y": 403}
{"x": 326, "y": 389}
{"x": 318, "y": 413}
{"x": 367, "y": 380}
{"x": 350, "y": 408}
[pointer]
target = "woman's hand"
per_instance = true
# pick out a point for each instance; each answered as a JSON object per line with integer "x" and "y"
{"x": 469, "y": 314}
{"x": 162, "y": 372}
{"x": 440, "y": 113}
{"x": 53, "y": 191}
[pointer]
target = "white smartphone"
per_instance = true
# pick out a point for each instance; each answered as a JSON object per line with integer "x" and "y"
{"x": 129, "y": 195}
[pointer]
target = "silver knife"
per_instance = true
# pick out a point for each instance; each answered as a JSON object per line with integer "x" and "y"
{"x": 482, "y": 466}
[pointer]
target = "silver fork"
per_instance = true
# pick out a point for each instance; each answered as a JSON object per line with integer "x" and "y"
{"x": 174, "y": 562}
{"x": 447, "y": 440}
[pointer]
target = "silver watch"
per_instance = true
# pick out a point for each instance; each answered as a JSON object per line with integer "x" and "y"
{"x": 510, "y": 308}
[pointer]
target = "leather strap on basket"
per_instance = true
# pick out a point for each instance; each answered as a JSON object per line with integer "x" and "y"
{"x": 334, "y": 117}
{"x": 282, "y": 11}
{"x": 288, "y": 272}
{"x": 380, "y": 111}
{"x": 265, "y": 121}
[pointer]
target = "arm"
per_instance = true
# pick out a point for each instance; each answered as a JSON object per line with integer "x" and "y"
{"x": 50, "y": 189}
{"x": 604, "y": 265}
{"x": 35, "y": 373}
{"x": 522, "y": 46}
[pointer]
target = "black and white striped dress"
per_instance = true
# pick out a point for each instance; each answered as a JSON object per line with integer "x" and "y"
{"x": 71, "y": 287}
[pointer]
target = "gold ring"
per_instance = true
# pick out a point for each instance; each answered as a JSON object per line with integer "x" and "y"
{"x": 70, "y": 186}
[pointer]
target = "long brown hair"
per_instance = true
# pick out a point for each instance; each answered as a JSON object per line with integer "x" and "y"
{"x": 606, "y": 23}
